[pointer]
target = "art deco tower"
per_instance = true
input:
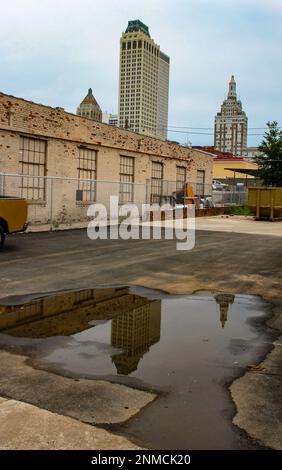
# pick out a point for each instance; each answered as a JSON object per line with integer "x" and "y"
{"x": 89, "y": 107}
{"x": 231, "y": 124}
{"x": 143, "y": 82}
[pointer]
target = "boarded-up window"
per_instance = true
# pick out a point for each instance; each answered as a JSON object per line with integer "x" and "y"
{"x": 33, "y": 167}
{"x": 87, "y": 161}
{"x": 126, "y": 177}
{"x": 180, "y": 176}
{"x": 156, "y": 182}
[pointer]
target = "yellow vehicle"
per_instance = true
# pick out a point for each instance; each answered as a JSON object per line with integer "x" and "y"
{"x": 13, "y": 216}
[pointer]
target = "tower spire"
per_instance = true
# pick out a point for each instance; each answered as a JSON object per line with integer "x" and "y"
{"x": 231, "y": 124}
{"x": 232, "y": 88}
{"x": 89, "y": 107}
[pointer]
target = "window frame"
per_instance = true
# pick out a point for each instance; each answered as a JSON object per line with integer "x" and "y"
{"x": 200, "y": 185}
{"x": 180, "y": 182}
{"x": 87, "y": 174}
{"x": 35, "y": 149}
{"x": 157, "y": 178}
{"x": 126, "y": 179}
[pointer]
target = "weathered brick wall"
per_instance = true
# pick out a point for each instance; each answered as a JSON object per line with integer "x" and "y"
{"x": 35, "y": 119}
{"x": 64, "y": 132}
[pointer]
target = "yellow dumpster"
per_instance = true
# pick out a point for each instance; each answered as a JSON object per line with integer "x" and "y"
{"x": 265, "y": 202}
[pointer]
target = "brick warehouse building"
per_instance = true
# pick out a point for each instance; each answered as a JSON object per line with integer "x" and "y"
{"x": 65, "y": 162}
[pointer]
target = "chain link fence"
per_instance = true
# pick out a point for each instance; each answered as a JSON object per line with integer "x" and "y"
{"x": 60, "y": 200}
{"x": 230, "y": 198}
{"x": 159, "y": 190}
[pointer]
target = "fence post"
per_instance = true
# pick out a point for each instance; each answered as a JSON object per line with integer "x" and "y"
{"x": 51, "y": 203}
{"x": 1, "y": 185}
{"x": 148, "y": 196}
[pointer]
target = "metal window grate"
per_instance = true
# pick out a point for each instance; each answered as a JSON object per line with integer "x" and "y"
{"x": 87, "y": 161}
{"x": 200, "y": 190}
{"x": 180, "y": 176}
{"x": 156, "y": 182}
{"x": 33, "y": 161}
{"x": 126, "y": 177}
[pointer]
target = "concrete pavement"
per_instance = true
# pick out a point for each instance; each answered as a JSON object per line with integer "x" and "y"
{"x": 220, "y": 223}
{"x": 239, "y": 224}
{"x": 27, "y": 427}
{"x": 236, "y": 262}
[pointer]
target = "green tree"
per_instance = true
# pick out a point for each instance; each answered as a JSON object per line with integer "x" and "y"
{"x": 270, "y": 159}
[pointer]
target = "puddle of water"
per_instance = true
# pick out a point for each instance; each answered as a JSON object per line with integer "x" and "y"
{"x": 185, "y": 347}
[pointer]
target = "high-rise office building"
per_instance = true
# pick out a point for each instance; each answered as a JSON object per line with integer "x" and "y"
{"x": 111, "y": 119}
{"x": 231, "y": 124}
{"x": 143, "y": 83}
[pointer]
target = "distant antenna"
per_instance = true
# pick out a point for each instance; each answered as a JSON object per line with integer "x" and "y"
{"x": 188, "y": 144}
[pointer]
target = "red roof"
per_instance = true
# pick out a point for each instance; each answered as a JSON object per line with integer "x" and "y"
{"x": 211, "y": 149}
{"x": 227, "y": 159}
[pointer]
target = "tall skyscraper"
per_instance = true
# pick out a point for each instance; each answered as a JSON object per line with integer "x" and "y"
{"x": 231, "y": 124}
{"x": 143, "y": 83}
{"x": 89, "y": 107}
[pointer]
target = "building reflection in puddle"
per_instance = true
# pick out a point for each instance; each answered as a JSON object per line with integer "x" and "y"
{"x": 135, "y": 320}
{"x": 224, "y": 301}
{"x": 134, "y": 332}
{"x": 186, "y": 348}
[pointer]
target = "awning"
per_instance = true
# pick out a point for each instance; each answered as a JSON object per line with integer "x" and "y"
{"x": 244, "y": 171}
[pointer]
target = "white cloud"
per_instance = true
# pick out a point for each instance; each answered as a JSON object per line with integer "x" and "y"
{"x": 53, "y": 50}
{"x": 263, "y": 4}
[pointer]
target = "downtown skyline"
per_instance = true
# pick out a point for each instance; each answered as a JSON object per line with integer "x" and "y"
{"x": 207, "y": 42}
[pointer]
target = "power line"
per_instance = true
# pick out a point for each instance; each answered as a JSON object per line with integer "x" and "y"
{"x": 208, "y": 128}
{"x": 186, "y": 127}
{"x": 194, "y": 130}
{"x": 202, "y": 133}
{"x": 189, "y": 132}
{"x": 176, "y": 130}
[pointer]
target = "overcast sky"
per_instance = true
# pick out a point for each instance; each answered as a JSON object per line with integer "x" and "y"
{"x": 52, "y": 51}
